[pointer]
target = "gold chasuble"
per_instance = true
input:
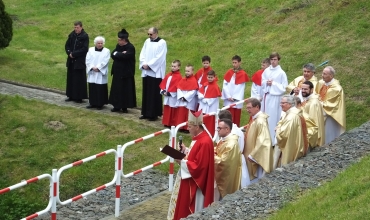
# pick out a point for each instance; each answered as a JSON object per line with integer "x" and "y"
{"x": 228, "y": 165}
{"x": 258, "y": 144}
{"x": 290, "y": 137}
{"x": 297, "y": 82}
{"x": 315, "y": 111}
{"x": 332, "y": 98}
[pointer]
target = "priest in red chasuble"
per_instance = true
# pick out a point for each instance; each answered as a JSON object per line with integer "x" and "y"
{"x": 197, "y": 170}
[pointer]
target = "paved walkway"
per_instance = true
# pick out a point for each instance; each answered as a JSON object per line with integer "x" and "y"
{"x": 57, "y": 97}
{"x": 153, "y": 208}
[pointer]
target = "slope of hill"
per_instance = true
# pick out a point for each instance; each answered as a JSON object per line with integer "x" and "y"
{"x": 301, "y": 31}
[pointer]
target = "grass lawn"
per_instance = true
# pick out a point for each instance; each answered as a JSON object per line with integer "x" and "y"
{"x": 32, "y": 145}
{"x": 301, "y": 31}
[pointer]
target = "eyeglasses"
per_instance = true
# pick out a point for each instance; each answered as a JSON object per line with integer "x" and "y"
{"x": 149, "y": 34}
{"x": 219, "y": 128}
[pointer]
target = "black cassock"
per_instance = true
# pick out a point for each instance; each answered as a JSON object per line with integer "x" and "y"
{"x": 122, "y": 93}
{"x": 78, "y": 45}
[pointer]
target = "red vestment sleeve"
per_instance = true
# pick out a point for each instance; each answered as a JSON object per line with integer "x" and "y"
{"x": 176, "y": 77}
{"x": 257, "y": 77}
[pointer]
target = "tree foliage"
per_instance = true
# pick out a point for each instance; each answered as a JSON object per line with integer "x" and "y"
{"x": 6, "y": 29}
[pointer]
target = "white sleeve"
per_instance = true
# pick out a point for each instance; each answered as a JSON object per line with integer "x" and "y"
{"x": 225, "y": 91}
{"x": 185, "y": 174}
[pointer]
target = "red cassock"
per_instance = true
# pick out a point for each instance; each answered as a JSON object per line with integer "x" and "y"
{"x": 213, "y": 91}
{"x": 169, "y": 113}
{"x": 201, "y": 167}
{"x": 185, "y": 84}
{"x": 240, "y": 77}
{"x": 257, "y": 77}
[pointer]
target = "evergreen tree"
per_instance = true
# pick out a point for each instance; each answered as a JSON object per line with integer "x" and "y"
{"x": 6, "y": 29}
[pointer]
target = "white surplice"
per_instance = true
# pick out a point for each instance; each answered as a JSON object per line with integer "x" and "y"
{"x": 191, "y": 102}
{"x": 272, "y": 95}
{"x": 100, "y": 60}
{"x": 153, "y": 54}
{"x": 231, "y": 90}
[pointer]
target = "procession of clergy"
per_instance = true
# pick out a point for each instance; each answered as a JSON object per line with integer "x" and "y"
{"x": 286, "y": 122}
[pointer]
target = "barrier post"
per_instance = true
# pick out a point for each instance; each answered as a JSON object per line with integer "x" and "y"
{"x": 53, "y": 193}
{"x": 173, "y": 145}
{"x": 118, "y": 166}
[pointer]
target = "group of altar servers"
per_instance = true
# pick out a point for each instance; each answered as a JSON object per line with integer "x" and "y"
{"x": 286, "y": 121}
{"x": 200, "y": 91}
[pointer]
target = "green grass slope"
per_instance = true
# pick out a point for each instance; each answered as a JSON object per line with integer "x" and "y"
{"x": 301, "y": 31}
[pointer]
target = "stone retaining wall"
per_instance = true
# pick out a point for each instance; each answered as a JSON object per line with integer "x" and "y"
{"x": 320, "y": 165}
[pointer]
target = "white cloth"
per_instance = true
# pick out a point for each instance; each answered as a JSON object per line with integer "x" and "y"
{"x": 170, "y": 100}
{"x": 245, "y": 175}
{"x": 153, "y": 54}
{"x": 332, "y": 129}
{"x": 272, "y": 95}
{"x": 100, "y": 60}
{"x": 231, "y": 90}
{"x": 191, "y": 102}
{"x": 208, "y": 105}
{"x": 257, "y": 91}
{"x": 185, "y": 174}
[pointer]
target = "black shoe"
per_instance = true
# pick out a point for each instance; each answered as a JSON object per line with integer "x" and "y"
{"x": 166, "y": 126}
{"x": 78, "y": 100}
{"x": 90, "y": 106}
{"x": 152, "y": 119}
{"x": 114, "y": 110}
{"x": 142, "y": 117}
{"x": 68, "y": 100}
{"x": 124, "y": 110}
{"x": 99, "y": 108}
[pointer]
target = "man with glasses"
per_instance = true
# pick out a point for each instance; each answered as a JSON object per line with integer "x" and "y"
{"x": 153, "y": 67}
{"x": 228, "y": 163}
{"x": 258, "y": 151}
{"x": 289, "y": 135}
{"x": 274, "y": 83}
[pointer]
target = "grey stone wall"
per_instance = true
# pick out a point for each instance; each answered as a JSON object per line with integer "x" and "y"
{"x": 322, "y": 164}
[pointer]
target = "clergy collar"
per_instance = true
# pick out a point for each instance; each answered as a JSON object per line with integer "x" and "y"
{"x": 224, "y": 138}
{"x": 329, "y": 83}
{"x": 96, "y": 49}
{"x": 274, "y": 68}
{"x": 256, "y": 115}
{"x": 156, "y": 40}
{"x": 308, "y": 97}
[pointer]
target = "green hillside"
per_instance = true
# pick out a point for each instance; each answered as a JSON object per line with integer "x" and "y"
{"x": 301, "y": 31}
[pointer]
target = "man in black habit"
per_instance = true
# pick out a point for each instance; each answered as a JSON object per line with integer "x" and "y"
{"x": 123, "y": 93}
{"x": 76, "y": 48}
{"x": 153, "y": 67}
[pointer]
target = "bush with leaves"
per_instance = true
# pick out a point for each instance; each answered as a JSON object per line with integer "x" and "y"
{"x": 6, "y": 29}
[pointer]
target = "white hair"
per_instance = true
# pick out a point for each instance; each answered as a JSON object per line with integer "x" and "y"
{"x": 331, "y": 69}
{"x": 289, "y": 99}
{"x": 99, "y": 38}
